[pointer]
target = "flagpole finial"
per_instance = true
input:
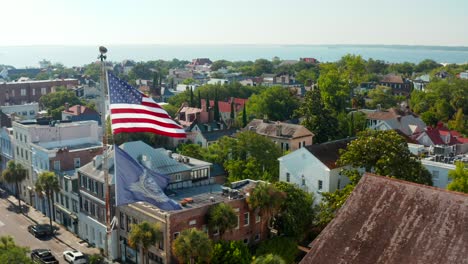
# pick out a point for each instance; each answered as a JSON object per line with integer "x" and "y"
{"x": 103, "y": 51}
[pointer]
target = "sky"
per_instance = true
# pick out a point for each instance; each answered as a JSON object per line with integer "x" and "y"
{"x": 180, "y": 22}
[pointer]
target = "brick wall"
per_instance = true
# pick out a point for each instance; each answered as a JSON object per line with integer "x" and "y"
{"x": 67, "y": 158}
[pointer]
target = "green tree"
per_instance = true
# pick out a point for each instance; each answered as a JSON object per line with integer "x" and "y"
{"x": 11, "y": 253}
{"x": 96, "y": 259}
{"x": 405, "y": 68}
{"x": 262, "y": 66}
{"x": 193, "y": 246}
{"x": 54, "y": 102}
{"x": 430, "y": 118}
{"x": 385, "y": 153}
{"x": 266, "y": 200}
{"x": 222, "y": 217}
{"x": 248, "y": 156}
{"x": 219, "y": 64}
{"x": 349, "y": 124}
{"x": 334, "y": 87}
{"x": 46, "y": 184}
{"x": 144, "y": 235}
{"x": 459, "y": 178}
{"x": 15, "y": 173}
{"x": 382, "y": 95}
{"x": 275, "y": 102}
{"x": 191, "y": 150}
{"x": 244, "y": 116}
{"x": 199, "y": 100}
{"x": 188, "y": 81}
{"x": 376, "y": 66}
{"x": 93, "y": 70}
{"x": 317, "y": 118}
{"x": 426, "y": 66}
{"x": 141, "y": 70}
{"x": 231, "y": 252}
{"x": 296, "y": 211}
{"x": 458, "y": 123}
{"x": 217, "y": 116}
{"x": 284, "y": 247}
{"x": 192, "y": 102}
{"x": 269, "y": 259}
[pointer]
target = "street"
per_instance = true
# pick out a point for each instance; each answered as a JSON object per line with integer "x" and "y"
{"x": 16, "y": 225}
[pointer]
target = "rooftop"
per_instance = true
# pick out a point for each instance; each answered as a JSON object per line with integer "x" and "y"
{"x": 393, "y": 221}
{"x": 328, "y": 153}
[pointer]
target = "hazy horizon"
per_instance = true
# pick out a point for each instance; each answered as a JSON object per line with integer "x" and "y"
{"x": 215, "y": 22}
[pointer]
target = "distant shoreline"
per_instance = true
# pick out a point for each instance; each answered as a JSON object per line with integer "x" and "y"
{"x": 78, "y": 55}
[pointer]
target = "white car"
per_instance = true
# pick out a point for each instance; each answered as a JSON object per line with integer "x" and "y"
{"x": 75, "y": 257}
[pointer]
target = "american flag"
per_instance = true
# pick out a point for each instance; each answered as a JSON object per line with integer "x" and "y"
{"x": 132, "y": 111}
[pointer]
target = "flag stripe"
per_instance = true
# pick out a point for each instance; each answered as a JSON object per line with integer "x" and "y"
{"x": 147, "y": 129}
{"x": 131, "y": 111}
{"x": 139, "y": 111}
{"x": 143, "y": 120}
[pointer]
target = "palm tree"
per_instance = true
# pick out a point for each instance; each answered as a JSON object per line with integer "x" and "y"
{"x": 266, "y": 199}
{"x": 47, "y": 183}
{"x": 222, "y": 217}
{"x": 269, "y": 259}
{"x": 144, "y": 235}
{"x": 192, "y": 246}
{"x": 15, "y": 173}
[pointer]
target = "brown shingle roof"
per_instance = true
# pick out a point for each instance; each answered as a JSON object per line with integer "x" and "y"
{"x": 393, "y": 221}
{"x": 328, "y": 153}
{"x": 84, "y": 110}
{"x": 269, "y": 129}
{"x": 392, "y": 78}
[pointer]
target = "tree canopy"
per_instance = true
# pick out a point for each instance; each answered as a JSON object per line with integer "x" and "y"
{"x": 222, "y": 217}
{"x": 231, "y": 252}
{"x": 11, "y": 253}
{"x": 459, "y": 178}
{"x": 193, "y": 246}
{"x": 296, "y": 210}
{"x": 385, "y": 153}
{"x": 277, "y": 103}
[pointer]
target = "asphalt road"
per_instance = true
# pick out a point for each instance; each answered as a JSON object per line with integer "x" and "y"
{"x": 16, "y": 225}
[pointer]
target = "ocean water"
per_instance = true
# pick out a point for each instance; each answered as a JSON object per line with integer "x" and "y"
{"x": 29, "y": 56}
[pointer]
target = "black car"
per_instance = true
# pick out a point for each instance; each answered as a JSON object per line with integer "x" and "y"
{"x": 43, "y": 256}
{"x": 40, "y": 230}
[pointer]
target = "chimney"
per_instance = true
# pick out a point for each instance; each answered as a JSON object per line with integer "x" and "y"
{"x": 67, "y": 107}
{"x": 78, "y": 109}
{"x": 278, "y": 128}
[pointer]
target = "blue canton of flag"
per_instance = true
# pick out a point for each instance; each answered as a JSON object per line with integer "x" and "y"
{"x": 135, "y": 182}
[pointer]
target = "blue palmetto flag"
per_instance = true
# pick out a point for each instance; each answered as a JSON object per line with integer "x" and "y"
{"x": 135, "y": 182}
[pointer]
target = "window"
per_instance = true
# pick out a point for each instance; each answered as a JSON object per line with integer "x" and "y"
{"x": 25, "y": 138}
{"x": 246, "y": 219}
{"x": 238, "y": 220}
{"x": 76, "y": 161}
{"x": 13, "y": 93}
{"x": 339, "y": 184}
{"x": 287, "y": 146}
{"x": 23, "y": 92}
{"x": 161, "y": 243}
{"x": 74, "y": 206}
{"x": 21, "y": 137}
{"x": 43, "y": 91}
{"x": 288, "y": 177}
{"x": 257, "y": 237}
{"x": 33, "y": 91}
{"x": 193, "y": 222}
{"x": 176, "y": 234}
{"x": 129, "y": 222}
{"x": 257, "y": 218}
{"x": 246, "y": 241}
{"x": 435, "y": 175}
{"x": 303, "y": 181}
{"x": 320, "y": 184}
{"x": 299, "y": 144}
{"x": 57, "y": 165}
{"x": 178, "y": 177}
{"x": 122, "y": 221}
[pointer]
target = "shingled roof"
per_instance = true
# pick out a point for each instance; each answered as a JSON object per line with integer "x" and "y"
{"x": 393, "y": 221}
{"x": 269, "y": 129}
{"x": 328, "y": 153}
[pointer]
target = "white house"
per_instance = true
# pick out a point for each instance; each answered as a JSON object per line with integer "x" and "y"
{"x": 439, "y": 172}
{"x": 390, "y": 119}
{"x": 25, "y": 111}
{"x": 313, "y": 168}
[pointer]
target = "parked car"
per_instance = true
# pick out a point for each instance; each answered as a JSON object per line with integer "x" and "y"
{"x": 41, "y": 230}
{"x": 75, "y": 257}
{"x": 43, "y": 256}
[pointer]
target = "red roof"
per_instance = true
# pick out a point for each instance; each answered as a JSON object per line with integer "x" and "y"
{"x": 439, "y": 135}
{"x": 225, "y": 107}
{"x": 84, "y": 110}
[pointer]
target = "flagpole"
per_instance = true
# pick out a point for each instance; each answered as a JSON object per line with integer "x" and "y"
{"x": 105, "y": 167}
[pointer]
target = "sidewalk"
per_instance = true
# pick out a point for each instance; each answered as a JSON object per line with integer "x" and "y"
{"x": 62, "y": 236}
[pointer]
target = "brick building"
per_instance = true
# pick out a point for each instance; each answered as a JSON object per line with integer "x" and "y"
{"x": 197, "y": 201}
{"x": 16, "y": 93}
